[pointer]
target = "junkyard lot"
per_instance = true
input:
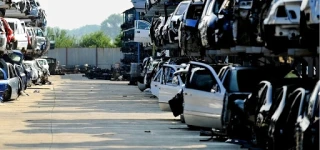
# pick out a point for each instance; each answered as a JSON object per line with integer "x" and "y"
{"x": 77, "y": 113}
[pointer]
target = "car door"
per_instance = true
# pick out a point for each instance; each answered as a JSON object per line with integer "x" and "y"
{"x": 203, "y": 96}
{"x": 20, "y": 72}
{"x": 170, "y": 85}
{"x": 155, "y": 83}
{"x": 4, "y": 66}
{"x": 22, "y": 37}
{"x": 13, "y": 81}
{"x": 141, "y": 32}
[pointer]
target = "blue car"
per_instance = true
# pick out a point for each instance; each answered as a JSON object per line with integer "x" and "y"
{"x": 3, "y": 85}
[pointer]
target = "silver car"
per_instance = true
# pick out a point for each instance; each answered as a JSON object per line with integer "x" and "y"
{"x": 12, "y": 80}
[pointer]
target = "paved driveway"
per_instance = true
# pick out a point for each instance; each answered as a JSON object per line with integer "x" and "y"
{"x": 77, "y": 113}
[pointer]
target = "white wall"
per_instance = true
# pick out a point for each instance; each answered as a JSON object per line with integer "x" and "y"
{"x": 101, "y": 57}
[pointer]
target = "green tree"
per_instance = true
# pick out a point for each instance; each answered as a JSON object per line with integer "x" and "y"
{"x": 61, "y": 37}
{"x": 96, "y": 39}
{"x": 111, "y": 26}
{"x": 117, "y": 41}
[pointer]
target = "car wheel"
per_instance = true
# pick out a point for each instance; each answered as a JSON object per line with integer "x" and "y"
{"x": 7, "y": 94}
{"x": 19, "y": 89}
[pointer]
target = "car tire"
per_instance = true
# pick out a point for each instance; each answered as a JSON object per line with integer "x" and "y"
{"x": 19, "y": 89}
{"x": 7, "y": 94}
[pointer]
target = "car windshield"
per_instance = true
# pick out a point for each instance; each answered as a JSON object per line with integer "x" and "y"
{"x": 182, "y": 9}
{"x": 1, "y": 75}
{"x": 244, "y": 80}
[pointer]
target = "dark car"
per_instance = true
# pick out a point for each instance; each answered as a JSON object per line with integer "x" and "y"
{"x": 188, "y": 38}
{"x": 208, "y": 23}
{"x": 22, "y": 75}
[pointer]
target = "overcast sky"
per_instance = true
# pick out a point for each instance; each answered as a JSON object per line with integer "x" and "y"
{"x": 70, "y": 14}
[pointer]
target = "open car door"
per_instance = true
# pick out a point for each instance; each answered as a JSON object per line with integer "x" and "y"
{"x": 141, "y": 31}
{"x": 169, "y": 88}
{"x": 155, "y": 83}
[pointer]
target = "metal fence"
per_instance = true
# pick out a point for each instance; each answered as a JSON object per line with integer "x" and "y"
{"x": 101, "y": 57}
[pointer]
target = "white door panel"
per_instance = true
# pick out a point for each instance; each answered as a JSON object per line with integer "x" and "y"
{"x": 203, "y": 97}
{"x": 154, "y": 86}
{"x": 142, "y": 31}
{"x": 167, "y": 92}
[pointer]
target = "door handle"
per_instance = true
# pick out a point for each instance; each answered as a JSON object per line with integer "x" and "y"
{"x": 138, "y": 31}
{"x": 185, "y": 93}
{"x": 155, "y": 85}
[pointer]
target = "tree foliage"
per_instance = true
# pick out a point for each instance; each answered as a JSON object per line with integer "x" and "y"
{"x": 90, "y": 35}
{"x": 117, "y": 41}
{"x": 61, "y": 37}
{"x": 96, "y": 39}
{"x": 111, "y": 26}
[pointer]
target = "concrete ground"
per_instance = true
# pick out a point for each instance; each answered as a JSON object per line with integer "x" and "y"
{"x": 78, "y": 113}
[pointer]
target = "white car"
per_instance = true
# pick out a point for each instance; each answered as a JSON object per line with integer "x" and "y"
{"x": 36, "y": 70}
{"x": 281, "y": 26}
{"x": 20, "y": 35}
{"x": 43, "y": 63}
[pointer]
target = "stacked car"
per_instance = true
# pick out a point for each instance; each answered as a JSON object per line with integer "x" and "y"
{"x": 201, "y": 25}
{"x": 269, "y": 107}
{"x": 22, "y": 43}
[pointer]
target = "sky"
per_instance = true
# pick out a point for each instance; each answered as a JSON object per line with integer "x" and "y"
{"x": 71, "y": 14}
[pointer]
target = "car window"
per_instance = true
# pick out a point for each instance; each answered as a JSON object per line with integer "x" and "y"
{"x": 237, "y": 80}
{"x": 194, "y": 11}
{"x": 168, "y": 75}
{"x": 200, "y": 78}
{"x": 40, "y": 62}
{"x": 182, "y": 8}
{"x": 143, "y": 25}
